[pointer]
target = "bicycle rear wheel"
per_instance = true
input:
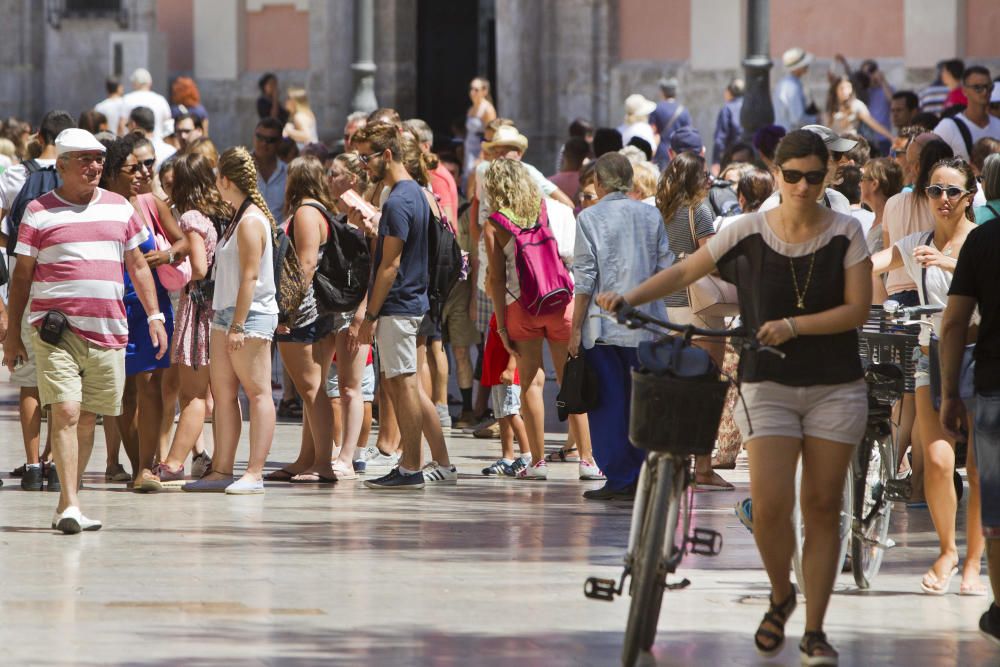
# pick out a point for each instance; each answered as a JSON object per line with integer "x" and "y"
{"x": 846, "y": 521}
{"x": 648, "y": 578}
{"x": 871, "y": 512}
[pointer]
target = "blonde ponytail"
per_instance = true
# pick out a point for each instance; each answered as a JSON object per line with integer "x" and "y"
{"x": 238, "y": 166}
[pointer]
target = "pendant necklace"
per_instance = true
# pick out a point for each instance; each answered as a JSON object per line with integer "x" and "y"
{"x": 800, "y": 295}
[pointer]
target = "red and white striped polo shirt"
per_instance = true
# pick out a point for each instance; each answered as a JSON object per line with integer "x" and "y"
{"x": 79, "y": 262}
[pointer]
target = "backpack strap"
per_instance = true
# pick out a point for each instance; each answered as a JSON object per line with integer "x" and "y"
{"x": 326, "y": 216}
{"x": 963, "y": 129}
{"x": 923, "y": 270}
{"x": 31, "y": 166}
{"x": 996, "y": 214}
{"x": 673, "y": 119}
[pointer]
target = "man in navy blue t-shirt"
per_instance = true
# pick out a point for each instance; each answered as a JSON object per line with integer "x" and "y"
{"x": 397, "y": 299}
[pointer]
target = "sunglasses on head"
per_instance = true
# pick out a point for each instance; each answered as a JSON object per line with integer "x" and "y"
{"x": 141, "y": 164}
{"x": 812, "y": 177}
{"x": 951, "y": 191}
{"x": 267, "y": 138}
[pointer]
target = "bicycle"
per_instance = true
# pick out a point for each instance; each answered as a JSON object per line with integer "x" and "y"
{"x": 673, "y": 418}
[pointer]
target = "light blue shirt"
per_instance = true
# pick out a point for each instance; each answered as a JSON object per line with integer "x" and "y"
{"x": 620, "y": 243}
{"x": 273, "y": 190}
{"x": 790, "y": 104}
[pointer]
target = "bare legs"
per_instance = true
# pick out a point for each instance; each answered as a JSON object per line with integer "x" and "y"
{"x": 306, "y": 366}
{"x": 350, "y": 371}
{"x": 72, "y": 442}
{"x": 193, "y": 394}
{"x": 405, "y": 395}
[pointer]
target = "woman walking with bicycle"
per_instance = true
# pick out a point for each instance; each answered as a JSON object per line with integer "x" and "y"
{"x": 929, "y": 258}
{"x": 802, "y": 272}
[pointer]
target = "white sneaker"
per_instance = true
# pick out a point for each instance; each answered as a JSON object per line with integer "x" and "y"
{"x": 72, "y": 521}
{"x": 377, "y": 462}
{"x": 245, "y": 487}
{"x": 437, "y": 474}
{"x": 537, "y": 470}
{"x": 444, "y": 417}
{"x": 590, "y": 471}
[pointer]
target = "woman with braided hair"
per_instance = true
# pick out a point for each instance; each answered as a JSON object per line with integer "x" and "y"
{"x": 246, "y": 315}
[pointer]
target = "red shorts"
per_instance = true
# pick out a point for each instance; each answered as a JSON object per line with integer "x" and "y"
{"x": 555, "y": 327}
{"x": 495, "y": 357}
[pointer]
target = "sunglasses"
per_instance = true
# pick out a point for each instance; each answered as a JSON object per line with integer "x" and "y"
{"x": 812, "y": 177}
{"x": 267, "y": 138}
{"x": 365, "y": 159}
{"x": 87, "y": 160}
{"x": 952, "y": 191}
{"x": 142, "y": 164}
{"x": 980, "y": 87}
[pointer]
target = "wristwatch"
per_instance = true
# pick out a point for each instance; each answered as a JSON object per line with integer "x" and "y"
{"x": 171, "y": 258}
{"x": 371, "y": 317}
{"x": 156, "y": 317}
{"x": 237, "y": 328}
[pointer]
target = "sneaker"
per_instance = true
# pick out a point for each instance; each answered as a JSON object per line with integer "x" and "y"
{"x": 490, "y": 432}
{"x": 208, "y": 485}
{"x": 246, "y": 487}
{"x": 360, "y": 466}
{"x": 444, "y": 417}
{"x": 397, "y": 481}
{"x": 465, "y": 420}
{"x": 201, "y": 464}
{"x": 375, "y": 461}
{"x": 18, "y": 471}
{"x": 168, "y": 477}
{"x": 33, "y": 477}
{"x": 606, "y": 493}
{"x": 72, "y": 521}
{"x": 989, "y": 624}
{"x": 590, "y": 472}
{"x": 538, "y": 470}
{"x": 499, "y": 468}
{"x": 52, "y": 478}
{"x": 480, "y": 423}
{"x": 519, "y": 464}
{"x": 744, "y": 512}
{"x": 438, "y": 474}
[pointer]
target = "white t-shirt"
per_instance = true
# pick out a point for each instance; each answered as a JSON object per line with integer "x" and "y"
{"x": 153, "y": 101}
{"x": 936, "y": 280}
{"x": 642, "y": 129}
{"x": 865, "y": 217}
{"x": 948, "y": 130}
{"x": 112, "y": 107}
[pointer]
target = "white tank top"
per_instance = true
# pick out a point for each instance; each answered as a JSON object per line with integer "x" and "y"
{"x": 227, "y": 272}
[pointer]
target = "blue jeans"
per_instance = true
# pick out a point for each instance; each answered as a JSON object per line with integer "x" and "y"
{"x": 614, "y": 454}
{"x": 987, "y": 442}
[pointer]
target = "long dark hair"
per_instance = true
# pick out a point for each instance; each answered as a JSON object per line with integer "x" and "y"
{"x": 115, "y": 157}
{"x": 755, "y": 186}
{"x": 933, "y": 152}
{"x": 194, "y": 188}
{"x": 683, "y": 183}
{"x": 307, "y": 180}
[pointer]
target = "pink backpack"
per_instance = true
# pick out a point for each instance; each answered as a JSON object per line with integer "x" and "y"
{"x": 546, "y": 287}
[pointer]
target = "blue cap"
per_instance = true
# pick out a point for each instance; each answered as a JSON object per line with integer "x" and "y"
{"x": 686, "y": 138}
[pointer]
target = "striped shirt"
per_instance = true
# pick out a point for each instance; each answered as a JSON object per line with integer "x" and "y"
{"x": 79, "y": 254}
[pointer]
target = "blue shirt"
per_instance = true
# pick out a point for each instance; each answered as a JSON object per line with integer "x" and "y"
{"x": 406, "y": 215}
{"x": 727, "y": 128}
{"x": 273, "y": 190}
{"x": 620, "y": 242}
{"x": 790, "y": 104}
{"x": 660, "y": 118}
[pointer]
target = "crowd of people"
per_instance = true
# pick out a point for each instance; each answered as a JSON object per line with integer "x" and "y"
{"x": 151, "y": 276}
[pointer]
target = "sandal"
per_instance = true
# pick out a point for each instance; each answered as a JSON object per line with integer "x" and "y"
{"x": 312, "y": 478}
{"x": 776, "y": 615}
{"x": 815, "y": 650}
{"x": 562, "y": 456}
{"x": 117, "y": 474}
{"x": 280, "y": 475}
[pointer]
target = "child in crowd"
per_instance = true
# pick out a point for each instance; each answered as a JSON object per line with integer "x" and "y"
{"x": 500, "y": 376}
{"x": 367, "y": 394}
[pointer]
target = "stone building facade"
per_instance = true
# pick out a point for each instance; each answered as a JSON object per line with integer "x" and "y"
{"x": 551, "y": 60}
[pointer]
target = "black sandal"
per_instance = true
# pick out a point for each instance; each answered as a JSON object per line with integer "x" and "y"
{"x": 815, "y": 650}
{"x": 777, "y": 615}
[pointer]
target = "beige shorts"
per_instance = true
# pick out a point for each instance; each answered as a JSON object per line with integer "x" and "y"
{"x": 79, "y": 371}
{"x": 26, "y": 375}
{"x": 396, "y": 337}
{"x": 457, "y": 328}
{"x": 837, "y": 412}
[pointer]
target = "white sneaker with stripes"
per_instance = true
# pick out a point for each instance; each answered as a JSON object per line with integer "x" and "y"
{"x": 437, "y": 474}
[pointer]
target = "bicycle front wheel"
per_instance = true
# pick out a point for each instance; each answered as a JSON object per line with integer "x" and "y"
{"x": 871, "y": 511}
{"x": 844, "y": 530}
{"x": 648, "y": 577}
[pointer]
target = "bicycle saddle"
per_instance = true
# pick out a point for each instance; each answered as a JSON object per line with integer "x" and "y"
{"x": 671, "y": 355}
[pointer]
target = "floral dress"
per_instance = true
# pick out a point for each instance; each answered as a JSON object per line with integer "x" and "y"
{"x": 191, "y": 328}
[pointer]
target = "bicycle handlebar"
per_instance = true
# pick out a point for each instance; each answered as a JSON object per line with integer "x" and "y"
{"x": 896, "y": 312}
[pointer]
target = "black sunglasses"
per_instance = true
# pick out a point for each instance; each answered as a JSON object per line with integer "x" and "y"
{"x": 141, "y": 164}
{"x": 952, "y": 191}
{"x": 267, "y": 138}
{"x": 365, "y": 159}
{"x": 812, "y": 177}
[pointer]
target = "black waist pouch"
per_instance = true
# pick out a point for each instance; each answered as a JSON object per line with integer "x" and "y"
{"x": 53, "y": 325}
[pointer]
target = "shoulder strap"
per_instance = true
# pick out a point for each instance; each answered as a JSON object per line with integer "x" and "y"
{"x": 923, "y": 269}
{"x": 31, "y": 166}
{"x": 673, "y": 119}
{"x": 996, "y": 214}
{"x": 694, "y": 238}
{"x": 231, "y": 229}
{"x": 963, "y": 129}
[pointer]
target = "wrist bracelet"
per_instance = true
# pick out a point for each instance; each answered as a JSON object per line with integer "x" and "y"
{"x": 158, "y": 317}
{"x": 237, "y": 328}
{"x": 501, "y": 330}
{"x": 791, "y": 326}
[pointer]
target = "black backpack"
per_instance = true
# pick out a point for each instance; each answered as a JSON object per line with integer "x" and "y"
{"x": 444, "y": 264}
{"x": 341, "y": 278}
{"x": 39, "y": 181}
{"x": 722, "y": 199}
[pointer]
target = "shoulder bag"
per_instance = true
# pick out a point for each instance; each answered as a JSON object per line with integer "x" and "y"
{"x": 711, "y": 296}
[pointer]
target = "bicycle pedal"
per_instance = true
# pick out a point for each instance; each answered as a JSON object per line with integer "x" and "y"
{"x": 898, "y": 490}
{"x": 601, "y": 589}
{"x": 682, "y": 584}
{"x": 705, "y": 542}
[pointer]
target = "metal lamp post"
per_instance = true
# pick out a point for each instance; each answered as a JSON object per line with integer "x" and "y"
{"x": 363, "y": 66}
{"x": 757, "y": 108}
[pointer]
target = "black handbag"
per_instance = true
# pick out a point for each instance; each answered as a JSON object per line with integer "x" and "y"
{"x": 580, "y": 391}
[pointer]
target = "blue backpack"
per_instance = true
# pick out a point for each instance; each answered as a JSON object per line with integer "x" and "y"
{"x": 39, "y": 181}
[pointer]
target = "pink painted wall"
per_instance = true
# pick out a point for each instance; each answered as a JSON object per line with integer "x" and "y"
{"x": 654, "y": 29}
{"x": 856, "y": 28}
{"x": 174, "y": 18}
{"x": 982, "y": 29}
{"x": 277, "y": 37}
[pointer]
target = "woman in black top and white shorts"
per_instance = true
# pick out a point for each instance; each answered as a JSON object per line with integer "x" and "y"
{"x": 803, "y": 276}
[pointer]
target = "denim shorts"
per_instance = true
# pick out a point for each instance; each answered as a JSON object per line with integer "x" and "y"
{"x": 258, "y": 325}
{"x": 367, "y": 383}
{"x": 315, "y": 331}
{"x": 987, "y": 443}
{"x": 921, "y": 369}
{"x": 506, "y": 400}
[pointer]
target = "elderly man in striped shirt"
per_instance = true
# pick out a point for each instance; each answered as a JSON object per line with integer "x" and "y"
{"x": 71, "y": 246}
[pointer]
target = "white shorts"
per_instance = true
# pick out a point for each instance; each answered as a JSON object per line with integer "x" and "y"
{"x": 837, "y": 412}
{"x": 26, "y": 375}
{"x": 396, "y": 338}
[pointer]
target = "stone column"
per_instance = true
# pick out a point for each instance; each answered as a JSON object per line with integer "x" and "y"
{"x": 218, "y": 39}
{"x": 716, "y": 34}
{"x": 757, "y": 108}
{"x": 363, "y": 66}
{"x": 933, "y": 30}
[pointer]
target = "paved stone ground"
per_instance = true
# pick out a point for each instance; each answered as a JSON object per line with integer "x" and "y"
{"x": 487, "y": 573}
